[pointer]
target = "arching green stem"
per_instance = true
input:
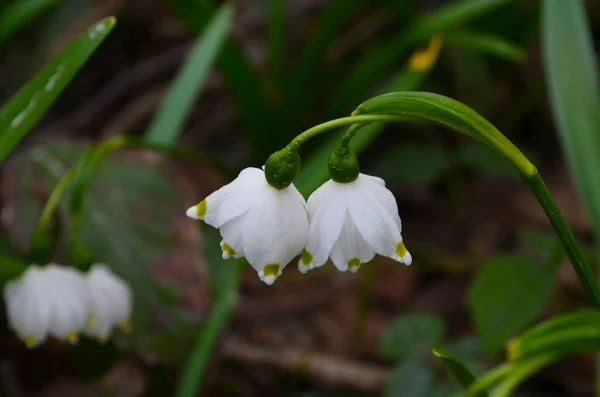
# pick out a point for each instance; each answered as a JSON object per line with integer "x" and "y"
{"x": 441, "y": 110}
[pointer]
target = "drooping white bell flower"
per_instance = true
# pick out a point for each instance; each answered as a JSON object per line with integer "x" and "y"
{"x": 266, "y": 225}
{"x": 351, "y": 222}
{"x": 47, "y": 301}
{"x": 110, "y": 302}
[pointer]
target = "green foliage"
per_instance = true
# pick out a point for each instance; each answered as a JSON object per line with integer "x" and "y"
{"x": 26, "y": 107}
{"x": 572, "y": 77}
{"x": 411, "y": 335}
{"x": 486, "y": 43}
{"x": 411, "y": 378}
{"x": 19, "y": 14}
{"x": 456, "y": 367}
{"x": 508, "y": 293}
{"x": 481, "y": 158}
{"x": 168, "y": 122}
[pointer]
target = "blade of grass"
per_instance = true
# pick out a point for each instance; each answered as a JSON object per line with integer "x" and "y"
{"x": 242, "y": 80}
{"x": 276, "y": 41}
{"x": 19, "y": 14}
{"x": 486, "y": 43}
{"x": 28, "y": 105}
{"x": 166, "y": 126}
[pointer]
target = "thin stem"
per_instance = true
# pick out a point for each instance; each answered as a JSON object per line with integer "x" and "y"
{"x": 194, "y": 368}
{"x": 562, "y": 229}
{"x": 343, "y": 121}
{"x": 522, "y": 372}
{"x": 487, "y": 380}
{"x": 54, "y": 199}
{"x": 350, "y": 132}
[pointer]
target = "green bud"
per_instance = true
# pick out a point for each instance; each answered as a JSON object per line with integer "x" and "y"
{"x": 282, "y": 167}
{"x": 343, "y": 164}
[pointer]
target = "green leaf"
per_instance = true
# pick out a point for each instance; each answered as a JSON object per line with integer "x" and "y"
{"x": 411, "y": 164}
{"x": 11, "y": 268}
{"x": 459, "y": 370}
{"x": 19, "y": 14}
{"x": 565, "y": 334}
{"x": 126, "y": 213}
{"x": 572, "y": 76}
{"x": 412, "y": 378}
{"x": 28, "y": 105}
{"x": 487, "y": 44}
{"x": 482, "y": 159}
{"x": 411, "y": 335}
{"x": 166, "y": 126}
{"x": 423, "y": 106}
{"x": 242, "y": 79}
{"x": 276, "y": 40}
{"x": 507, "y": 294}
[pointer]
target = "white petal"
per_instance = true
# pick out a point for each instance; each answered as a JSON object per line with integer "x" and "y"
{"x": 27, "y": 308}
{"x": 384, "y": 196}
{"x": 231, "y": 201}
{"x": 275, "y": 230}
{"x": 373, "y": 221}
{"x": 351, "y": 250}
{"x": 326, "y": 210}
{"x": 232, "y": 233}
{"x": 111, "y": 301}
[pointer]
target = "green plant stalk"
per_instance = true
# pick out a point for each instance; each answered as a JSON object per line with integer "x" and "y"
{"x": 487, "y": 380}
{"x": 194, "y": 368}
{"x": 527, "y": 170}
{"x": 522, "y": 372}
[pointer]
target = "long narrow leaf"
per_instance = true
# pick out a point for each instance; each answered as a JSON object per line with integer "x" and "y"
{"x": 486, "y": 43}
{"x": 167, "y": 124}
{"x": 456, "y": 367}
{"x": 572, "y": 75}
{"x": 276, "y": 40}
{"x": 24, "y": 110}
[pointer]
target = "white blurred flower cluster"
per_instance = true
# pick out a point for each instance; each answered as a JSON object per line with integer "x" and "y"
{"x": 347, "y": 222}
{"x": 62, "y": 302}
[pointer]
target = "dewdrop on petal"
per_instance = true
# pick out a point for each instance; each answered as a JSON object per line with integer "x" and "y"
{"x": 351, "y": 222}
{"x": 47, "y": 301}
{"x": 266, "y": 225}
{"x": 111, "y": 302}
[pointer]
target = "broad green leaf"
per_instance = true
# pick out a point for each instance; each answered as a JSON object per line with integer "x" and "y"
{"x": 127, "y": 213}
{"x": 411, "y": 335}
{"x": 242, "y": 79}
{"x": 411, "y": 164}
{"x": 18, "y": 14}
{"x": 168, "y": 122}
{"x": 572, "y": 76}
{"x": 28, "y": 105}
{"x": 459, "y": 371}
{"x": 483, "y": 159}
{"x": 508, "y": 293}
{"x": 412, "y": 378}
{"x": 486, "y": 43}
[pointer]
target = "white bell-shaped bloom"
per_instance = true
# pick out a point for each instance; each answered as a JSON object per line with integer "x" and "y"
{"x": 351, "y": 222}
{"x": 110, "y": 302}
{"x": 268, "y": 226}
{"x": 47, "y": 301}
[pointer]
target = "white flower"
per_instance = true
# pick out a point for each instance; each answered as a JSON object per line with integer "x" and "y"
{"x": 110, "y": 302}
{"x": 49, "y": 300}
{"x": 351, "y": 222}
{"x": 268, "y": 226}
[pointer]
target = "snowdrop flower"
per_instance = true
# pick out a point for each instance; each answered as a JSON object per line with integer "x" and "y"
{"x": 265, "y": 224}
{"x": 351, "y": 222}
{"x": 47, "y": 301}
{"x": 110, "y": 302}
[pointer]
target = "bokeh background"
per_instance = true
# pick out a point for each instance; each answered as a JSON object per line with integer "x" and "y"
{"x": 485, "y": 261}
